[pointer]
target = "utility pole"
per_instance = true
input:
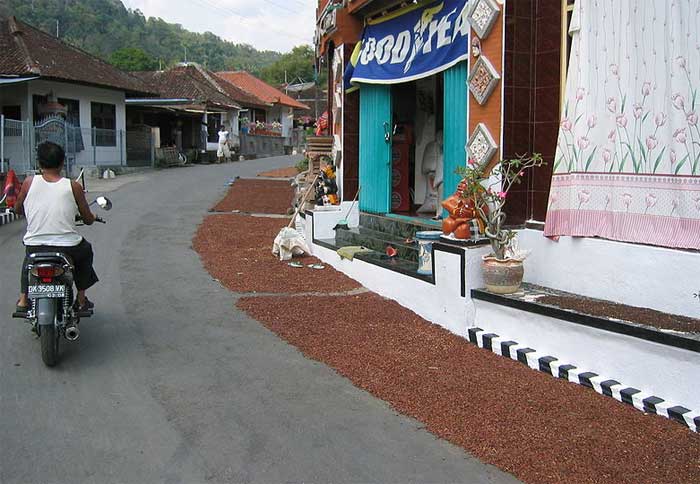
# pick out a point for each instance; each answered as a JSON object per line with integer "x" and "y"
{"x": 185, "y": 54}
{"x": 57, "y": 29}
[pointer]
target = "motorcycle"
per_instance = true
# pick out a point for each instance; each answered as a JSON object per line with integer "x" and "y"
{"x": 51, "y": 311}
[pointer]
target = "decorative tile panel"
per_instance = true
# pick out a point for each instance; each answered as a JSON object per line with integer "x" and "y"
{"x": 482, "y": 17}
{"x": 483, "y": 79}
{"x": 481, "y": 147}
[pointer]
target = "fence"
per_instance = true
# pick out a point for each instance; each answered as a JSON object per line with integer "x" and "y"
{"x": 83, "y": 146}
{"x": 16, "y": 149}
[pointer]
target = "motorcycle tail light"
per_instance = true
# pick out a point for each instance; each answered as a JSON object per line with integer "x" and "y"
{"x": 47, "y": 271}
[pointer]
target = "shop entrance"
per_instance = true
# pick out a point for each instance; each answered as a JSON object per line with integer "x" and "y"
{"x": 417, "y": 162}
{"x": 412, "y": 138}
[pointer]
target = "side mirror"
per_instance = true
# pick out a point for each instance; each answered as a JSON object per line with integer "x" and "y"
{"x": 104, "y": 203}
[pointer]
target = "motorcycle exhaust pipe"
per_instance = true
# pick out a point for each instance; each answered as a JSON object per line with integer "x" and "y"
{"x": 72, "y": 333}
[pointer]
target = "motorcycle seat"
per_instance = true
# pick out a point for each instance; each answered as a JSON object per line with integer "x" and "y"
{"x": 55, "y": 257}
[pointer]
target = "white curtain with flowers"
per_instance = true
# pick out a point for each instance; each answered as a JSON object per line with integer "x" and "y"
{"x": 627, "y": 165}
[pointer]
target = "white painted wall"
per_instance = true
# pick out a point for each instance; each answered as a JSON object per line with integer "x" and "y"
{"x": 287, "y": 120}
{"x": 440, "y": 303}
{"x": 632, "y": 274}
{"x": 325, "y": 220}
{"x": 104, "y": 155}
{"x": 230, "y": 121}
{"x": 655, "y": 369}
{"x": 14, "y": 95}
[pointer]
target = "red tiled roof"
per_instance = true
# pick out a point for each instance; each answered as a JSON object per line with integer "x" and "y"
{"x": 26, "y": 51}
{"x": 252, "y": 85}
{"x": 189, "y": 81}
{"x": 242, "y": 97}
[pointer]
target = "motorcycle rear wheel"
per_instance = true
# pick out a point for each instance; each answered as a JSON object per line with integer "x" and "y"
{"x": 49, "y": 345}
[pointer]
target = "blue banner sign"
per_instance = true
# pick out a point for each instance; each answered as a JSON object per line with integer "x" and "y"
{"x": 417, "y": 44}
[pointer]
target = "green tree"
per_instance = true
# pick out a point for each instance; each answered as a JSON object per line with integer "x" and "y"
{"x": 103, "y": 27}
{"x": 297, "y": 64}
{"x": 133, "y": 59}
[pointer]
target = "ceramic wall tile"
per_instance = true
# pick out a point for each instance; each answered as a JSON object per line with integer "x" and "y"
{"x": 483, "y": 79}
{"x": 481, "y": 146}
{"x": 482, "y": 17}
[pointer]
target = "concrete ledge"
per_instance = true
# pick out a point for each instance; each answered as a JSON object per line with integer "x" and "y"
{"x": 653, "y": 368}
{"x": 603, "y": 385}
{"x": 615, "y": 326}
{"x": 633, "y": 274}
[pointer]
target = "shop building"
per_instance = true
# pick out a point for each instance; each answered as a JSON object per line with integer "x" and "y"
{"x": 606, "y": 92}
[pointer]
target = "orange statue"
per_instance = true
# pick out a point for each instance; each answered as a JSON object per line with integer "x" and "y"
{"x": 461, "y": 211}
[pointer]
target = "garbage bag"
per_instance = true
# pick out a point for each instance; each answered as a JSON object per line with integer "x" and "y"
{"x": 289, "y": 243}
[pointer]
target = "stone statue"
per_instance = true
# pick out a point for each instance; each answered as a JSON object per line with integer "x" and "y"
{"x": 432, "y": 168}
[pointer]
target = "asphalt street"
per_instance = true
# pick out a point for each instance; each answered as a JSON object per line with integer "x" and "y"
{"x": 170, "y": 383}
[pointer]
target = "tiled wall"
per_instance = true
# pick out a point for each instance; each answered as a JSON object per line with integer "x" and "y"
{"x": 531, "y": 80}
{"x": 351, "y": 138}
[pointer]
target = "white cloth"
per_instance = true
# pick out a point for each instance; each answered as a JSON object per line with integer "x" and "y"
{"x": 627, "y": 165}
{"x": 223, "y": 136}
{"x": 289, "y": 243}
{"x": 50, "y": 209}
{"x": 224, "y": 151}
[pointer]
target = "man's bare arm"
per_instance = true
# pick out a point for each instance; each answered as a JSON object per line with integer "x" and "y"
{"x": 83, "y": 207}
{"x": 19, "y": 204}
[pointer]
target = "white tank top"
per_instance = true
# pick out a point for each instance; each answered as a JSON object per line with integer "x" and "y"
{"x": 50, "y": 209}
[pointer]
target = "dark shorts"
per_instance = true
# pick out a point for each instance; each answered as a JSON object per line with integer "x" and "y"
{"x": 82, "y": 256}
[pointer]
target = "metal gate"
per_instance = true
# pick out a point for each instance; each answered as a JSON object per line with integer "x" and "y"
{"x": 16, "y": 148}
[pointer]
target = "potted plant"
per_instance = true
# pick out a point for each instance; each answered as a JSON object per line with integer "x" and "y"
{"x": 486, "y": 191}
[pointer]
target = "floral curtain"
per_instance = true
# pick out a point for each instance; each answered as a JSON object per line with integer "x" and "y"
{"x": 627, "y": 165}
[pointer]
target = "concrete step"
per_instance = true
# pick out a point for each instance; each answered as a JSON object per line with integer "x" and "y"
{"x": 377, "y": 241}
{"x": 399, "y": 227}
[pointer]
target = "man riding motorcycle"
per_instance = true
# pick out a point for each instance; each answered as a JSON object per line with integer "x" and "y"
{"x": 50, "y": 204}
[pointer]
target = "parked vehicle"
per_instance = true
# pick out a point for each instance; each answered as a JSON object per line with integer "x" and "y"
{"x": 52, "y": 313}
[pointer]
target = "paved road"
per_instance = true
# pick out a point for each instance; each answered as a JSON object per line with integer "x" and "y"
{"x": 170, "y": 383}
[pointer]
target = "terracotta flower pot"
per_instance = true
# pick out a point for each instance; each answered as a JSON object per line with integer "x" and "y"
{"x": 502, "y": 276}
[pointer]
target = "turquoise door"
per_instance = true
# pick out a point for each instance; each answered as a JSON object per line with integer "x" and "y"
{"x": 455, "y": 131}
{"x": 375, "y": 148}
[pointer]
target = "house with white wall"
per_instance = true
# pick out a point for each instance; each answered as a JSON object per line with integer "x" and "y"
{"x": 191, "y": 106}
{"x": 43, "y": 78}
{"x": 276, "y": 117}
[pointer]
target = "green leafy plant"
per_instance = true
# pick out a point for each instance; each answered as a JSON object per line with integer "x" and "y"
{"x": 488, "y": 191}
{"x": 302, "y": 165}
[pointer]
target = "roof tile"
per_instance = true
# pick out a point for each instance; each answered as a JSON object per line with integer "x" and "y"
{"x": 189, "y": 81}
{"x": 25, "y": 50}
{"x": 259, "y": 88}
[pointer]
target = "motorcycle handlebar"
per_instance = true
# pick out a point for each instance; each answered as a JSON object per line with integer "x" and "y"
{"x": 79, "y": 220}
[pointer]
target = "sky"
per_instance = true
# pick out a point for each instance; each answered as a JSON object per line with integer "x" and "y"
{"x": 265, "y": 24}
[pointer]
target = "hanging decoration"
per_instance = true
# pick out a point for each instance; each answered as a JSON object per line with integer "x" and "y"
{"x": 481, "y": 146}
{"x": 483, "y": 79}
{"x": 482, "y": 17}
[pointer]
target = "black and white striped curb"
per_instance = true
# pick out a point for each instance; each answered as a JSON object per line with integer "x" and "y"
{"x": 7, "y": 217}
{"x": 605, "y": 386}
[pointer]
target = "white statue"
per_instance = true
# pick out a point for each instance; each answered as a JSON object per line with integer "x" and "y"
{"x": 432, "y": 169}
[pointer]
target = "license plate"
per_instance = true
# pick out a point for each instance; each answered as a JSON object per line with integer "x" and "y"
{"x": 47, "y": 291}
